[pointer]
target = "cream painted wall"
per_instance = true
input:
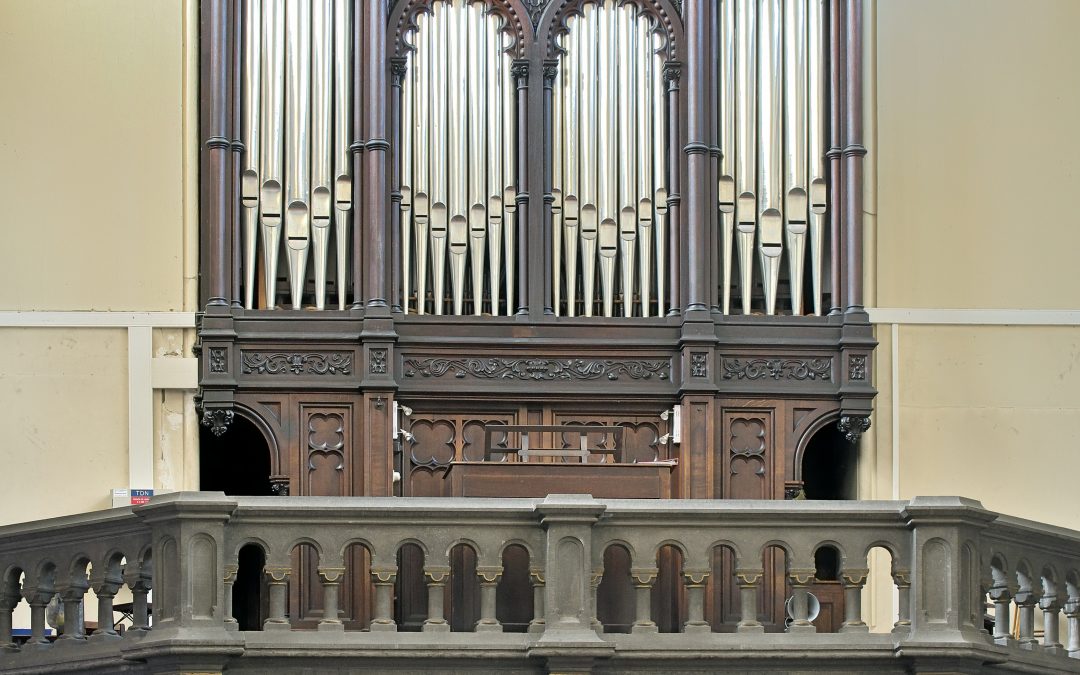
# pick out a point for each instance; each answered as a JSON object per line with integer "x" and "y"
{"x": 978, "y": 153}
{"x": 63, "y": 420}
{"x": 992, "y": 413}
{"x": 91, "y": 154}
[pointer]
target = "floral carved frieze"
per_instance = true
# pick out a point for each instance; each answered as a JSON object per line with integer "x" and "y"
{"x": 777, "y": 369}
{"x": 539, "y": 369}
{"x": 296, "y": 363}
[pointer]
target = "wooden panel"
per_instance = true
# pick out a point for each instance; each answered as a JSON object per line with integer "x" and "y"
{"x": 528, "y": 479}
{"x": 745, "y": 454}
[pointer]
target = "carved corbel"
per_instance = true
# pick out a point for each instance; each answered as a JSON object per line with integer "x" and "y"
{"x": 853, "y": 426}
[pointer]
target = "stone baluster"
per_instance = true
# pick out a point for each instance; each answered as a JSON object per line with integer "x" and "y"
{"x": 902, "y": 579}
{"x": 1026, "y": 599}
{"x": 38, "y": 598}
{"x": 644, "y": 578}
{"x": 1050, "y": 606}
{"x": 595, "y": 578}
{"x": 748, "y": 580}
{"x": 436, "y": 576}
{"x": 330, "y": 578}
{"x": 489, "y": 583}
{"x": 71, "y": 593}
{"x": 695, "y": 579}
{"x": 230, "y": 578}
{"x": 536, "y": 578}
{"x": 277, "y": 582}
{"x": 853, "y": 580}
{"x": 105, "y": 585}
{"x": 801, "y": 578}
{"x": 9, "y": 599}
{"x": 1072, "y": 619}
{"x": 1002, "y": 596}
{"x": 383, "y": 578}
{"x": 139, "y": 578}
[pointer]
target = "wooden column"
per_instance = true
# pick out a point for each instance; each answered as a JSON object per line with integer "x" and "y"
{"x": 713, "y": 96}
{"x": 697, "y": 153}
{"x": 360, "y": 186}
{"x": 672, "y": 76}
{"x": 235, "y": 246}
{"x": 373, "y": 217}
{"x": 853, "y": 154}
{"x": 216, "y": 79}
{"x": 398, "y": 70}
{"x": 551, "y": 70}
{"x": 520, "y": 72}
{"x": 836, "y": 186}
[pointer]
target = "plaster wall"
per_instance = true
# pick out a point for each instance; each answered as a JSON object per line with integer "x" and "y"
{"x": 978, "y": 153}
{"x": 976, "y": 149}
{"x": 63, "y": 421}
{"x": 91, "y": 155}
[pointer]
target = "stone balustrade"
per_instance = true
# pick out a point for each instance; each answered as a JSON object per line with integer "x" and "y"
{"x": 950, "y": 558}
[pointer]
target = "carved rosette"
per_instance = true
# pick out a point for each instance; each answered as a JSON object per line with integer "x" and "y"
{"x": 777, "y": 369}
{"x": 857, "y": 367}
{"x": 219, "y": 360}
{"x": 853, "y": 426}
{"x": 297, "y": 363}
{"x": 538, "y": 369}
{"x": 377, "y": 365}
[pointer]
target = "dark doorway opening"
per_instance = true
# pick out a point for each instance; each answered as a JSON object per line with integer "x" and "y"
{"x": 829, "y": 466}
{"x": 237, "y": 462}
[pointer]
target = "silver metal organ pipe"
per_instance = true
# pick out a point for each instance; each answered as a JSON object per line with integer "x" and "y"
{"x": 249, "y": 136}
{"x": 342, "y": 124}
{"x": 408, "y": 85}
{"x": 624, "y": 58}
{"x": 795, "y": 214}
{"x": 816, "y": 125}
{"x": 457, "y": 39}
{"x": 607, "y": 169}
{"x": 439, "y": 196}
{"x": 297, "y": 142}
{"x": 643, "y": 152}
{"x": 770, "y": 170}
{"x": 421, "y": 193}
{"x": 477, "y": 154}
{"x": 571, "y": 89}
{"x": 660, "y": 175}
{"x": 727, "y": 145}
{"x": 496, "y": 83}
{"x": 589, "y": 217}
{"x": 746, "y": 143}
{"x": 272, "y": 112}
{"x": 321, "y": 161}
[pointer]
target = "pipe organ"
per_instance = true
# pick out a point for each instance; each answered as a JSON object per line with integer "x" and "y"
{"x": 508, "y": 169}
{"x": 772, "y": 134}
{"x": 609, "y": 235}
{"x": 457, "y": 164}
{"x": 295, "y": 182}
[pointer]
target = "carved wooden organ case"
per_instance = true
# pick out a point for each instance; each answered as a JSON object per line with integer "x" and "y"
{"x": 532, "y": 212}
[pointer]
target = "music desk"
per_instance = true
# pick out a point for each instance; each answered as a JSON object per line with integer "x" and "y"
{"x": 539, "y": 479}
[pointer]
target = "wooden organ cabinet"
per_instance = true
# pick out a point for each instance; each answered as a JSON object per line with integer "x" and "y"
{"x": 642, "y": 214}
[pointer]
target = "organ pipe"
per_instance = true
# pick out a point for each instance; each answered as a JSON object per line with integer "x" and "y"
{"x": 772, "y": 131}
{"x": 295, "y": 128}
{"x": 297, "y": 143}
{"x": 249, "y": 135}
{"x": 610, "y": 157}
{"x": 457, "y": 180}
